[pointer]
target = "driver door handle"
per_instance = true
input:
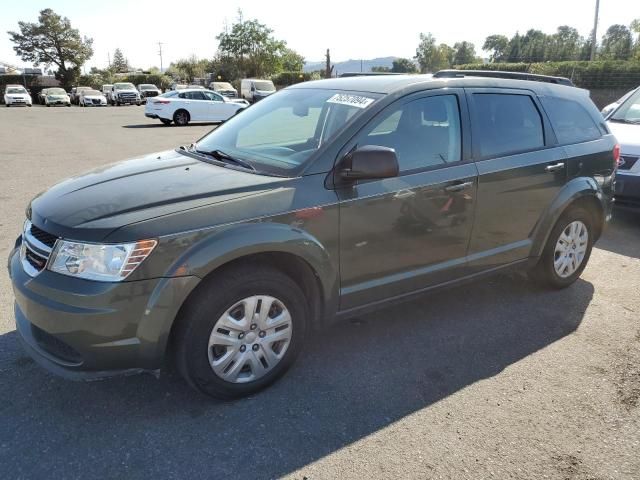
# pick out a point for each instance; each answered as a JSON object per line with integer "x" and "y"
{"x": 458, "y": 187}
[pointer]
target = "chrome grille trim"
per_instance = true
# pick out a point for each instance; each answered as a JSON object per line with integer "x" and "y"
{"x": 35, "y": 247}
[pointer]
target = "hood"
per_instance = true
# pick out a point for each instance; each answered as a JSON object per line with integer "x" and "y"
{"x": 92, "y": 205}
{"x": 628, "y": 137}
{"x": 18, "y": 95}
{"x": 96, "y": 97}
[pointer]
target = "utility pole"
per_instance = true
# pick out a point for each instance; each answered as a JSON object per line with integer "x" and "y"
{"x": 109, "y": 59}
{"x": 160, "y": 53}
{"x": 594, "y": 38}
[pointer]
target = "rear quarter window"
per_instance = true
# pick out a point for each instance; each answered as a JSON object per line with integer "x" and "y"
{"x": 571, "y": 122}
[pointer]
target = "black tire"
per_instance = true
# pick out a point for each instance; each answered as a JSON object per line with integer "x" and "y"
{"x": 544, "y": 272}
{"x": 181, "y": 118}
{"x": 209, "y": 302}
{"x": 166, "y": 121}
{"x": 48, "y": 104}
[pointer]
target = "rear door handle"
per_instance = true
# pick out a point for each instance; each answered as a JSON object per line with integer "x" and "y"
{"x": 554, "y": 167}
{"x": 458, "y": 187}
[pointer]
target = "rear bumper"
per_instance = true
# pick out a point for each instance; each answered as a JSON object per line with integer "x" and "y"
{"x": 627, "y": 190}
{"x": 84, "y": 330}
{"x": 151, "y": 115}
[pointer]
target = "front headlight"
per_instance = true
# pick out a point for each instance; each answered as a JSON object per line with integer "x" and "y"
{"x": 104, "y": 263}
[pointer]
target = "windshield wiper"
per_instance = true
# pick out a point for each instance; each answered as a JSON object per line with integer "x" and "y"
{"x": 624, "y": 120}
{"x": 225, "y": 157}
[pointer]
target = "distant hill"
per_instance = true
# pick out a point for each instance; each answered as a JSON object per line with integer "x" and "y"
{"x": 352, "y": 65}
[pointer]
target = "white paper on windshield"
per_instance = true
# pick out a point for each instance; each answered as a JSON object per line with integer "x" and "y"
{"x": 357, "y": 101}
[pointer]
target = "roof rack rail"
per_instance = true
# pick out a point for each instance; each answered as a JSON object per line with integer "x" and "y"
{"x": 501, "y": 74}
{"x": 368, "y": 74}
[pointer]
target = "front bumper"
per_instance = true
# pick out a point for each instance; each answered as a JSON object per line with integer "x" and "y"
{"x": 627, "y": 190}
{"x": 84, "y": 330}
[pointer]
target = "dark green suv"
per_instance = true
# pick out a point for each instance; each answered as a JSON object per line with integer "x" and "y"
{"x": 324, "y": 200}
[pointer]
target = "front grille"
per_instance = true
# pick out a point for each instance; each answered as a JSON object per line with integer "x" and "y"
{"x": 55, "y": 346}
{"x": 36, "y": 249}
{"x": 628, "y": 162}
{"x": 96, "y": 101}
{"x": 44, "y": 237}
{"x": 127, "y": 95}
{"x": 150, "y": 93}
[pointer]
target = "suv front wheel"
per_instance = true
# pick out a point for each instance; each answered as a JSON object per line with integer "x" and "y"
{"x": 567, "y": 251}
{"x": 241, "y": 331}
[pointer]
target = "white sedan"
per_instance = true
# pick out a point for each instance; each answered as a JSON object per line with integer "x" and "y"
{"x": 192, "y": 105}
{"x": 17, "y": 95}
{"x": 92, "y": 98}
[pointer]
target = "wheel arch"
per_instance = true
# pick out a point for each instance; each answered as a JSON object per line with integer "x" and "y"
{"x": 582, "y": 191}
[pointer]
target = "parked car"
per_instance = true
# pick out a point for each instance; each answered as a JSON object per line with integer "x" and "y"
{"x": 326, "y": 200}
{"x": 56, "y": 96}
{"x": 624, "y": 122}
{"x": 74, "y": 95}
{"x": 252, "y": 89}
{"x": 224, "y": 88}
{"x": 92, "y": 98}
{"x": 124, "y": 93}
{"x": 612, "y": 106}
{"x": 148, "y": 90}
{"x": 15, "y": 95}
{"x": 41, "y": 95}
{"x": 106, "y": 91}
{"x": 192, "y": 105}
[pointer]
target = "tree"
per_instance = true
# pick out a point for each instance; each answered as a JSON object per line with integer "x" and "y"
{"x": 497, "y": 45}
{"x": 380, "y": 68}
{"x": 403, "y": 65}
{"x": 291, "y": 60}
{"x": 635, "y": 28}
{"x": 251, "y": 44}
{"x": 430, "y": 57}
{"x": 190, "y": 68}
{"x": 465, "y": 52}
{"x": 533, "y": 46}
{"x": 514, "y": 49}
{"x": 119, "y": 64}
{"x": 564, "y": 44}
{"x": 617, "y": 43}
{"x": 52, "y": 41}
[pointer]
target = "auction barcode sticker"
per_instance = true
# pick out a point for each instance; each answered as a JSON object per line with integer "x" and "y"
{"x": 351, "y": 100}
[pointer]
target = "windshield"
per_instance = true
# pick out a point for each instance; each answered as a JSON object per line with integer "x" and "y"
{"x": 147, "y": 87}
{"x": 280, "y": 133}
{"x": 264, "y": 85}
{"x": 124, "y": 86}
{"x": 91, "y": 92}
{"x": 222, "y": 86}
{"x": 16, "y": 90}
{"x": 56, "y": 91}
{"x": 629, "y": 111}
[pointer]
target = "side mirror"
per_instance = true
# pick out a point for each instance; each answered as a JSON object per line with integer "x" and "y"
{"x": 369, "y": 162}
{"x": 253, "y": 88}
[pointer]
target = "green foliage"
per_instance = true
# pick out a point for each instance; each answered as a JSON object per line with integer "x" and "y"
{"x": 617, "y": 43}
{"x": 119, "y": 63}
{"x": 465, "y": 52}
{"x": 187, "y": 69}
{"x": 497, "y": 45}
{"x": 252, "y": 49}
{"x": 284, "y": 79}
{"x": 291, "y": 61}
{"x": 585, "y": 74}
{"x": 52, "y": 41}
{"x": 432, "y": 58}
{"x": 403, "y": 65}
{"x": 380, "y": 68}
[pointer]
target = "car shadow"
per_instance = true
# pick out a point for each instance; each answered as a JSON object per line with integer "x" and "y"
{"x": 353, "y": 380}
{"x": 162, "y": 125}
{"x": 623, "y": 233}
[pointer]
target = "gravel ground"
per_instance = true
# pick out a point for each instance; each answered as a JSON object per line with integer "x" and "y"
{"x": 495, "y": 379}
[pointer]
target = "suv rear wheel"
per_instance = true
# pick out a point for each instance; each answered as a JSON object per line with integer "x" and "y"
{"x": 241, "y": 331}
{"x": 567, "y": 251}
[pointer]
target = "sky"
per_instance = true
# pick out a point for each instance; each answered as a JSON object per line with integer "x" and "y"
{"x": 352, "y": 30}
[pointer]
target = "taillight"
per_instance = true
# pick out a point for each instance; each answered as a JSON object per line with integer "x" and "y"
{"x": 162, "y": 102}
{"x": 616, "y": 155}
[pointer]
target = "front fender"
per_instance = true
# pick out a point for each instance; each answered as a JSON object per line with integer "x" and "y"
{"x": 575, "y": 189}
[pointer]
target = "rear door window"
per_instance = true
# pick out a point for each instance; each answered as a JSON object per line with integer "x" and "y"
{"x": 506, "y": 124}
{"x": 570, "y": 120}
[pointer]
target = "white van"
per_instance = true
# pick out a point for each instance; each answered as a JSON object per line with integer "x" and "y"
{"x": 253, "y": 89}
